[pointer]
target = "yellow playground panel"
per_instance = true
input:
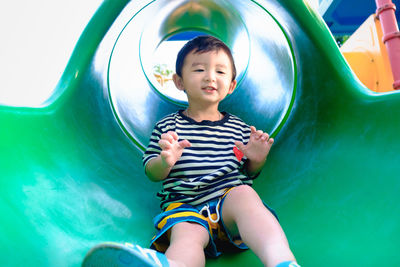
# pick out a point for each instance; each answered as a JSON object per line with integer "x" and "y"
{"x": 367, "y": 56}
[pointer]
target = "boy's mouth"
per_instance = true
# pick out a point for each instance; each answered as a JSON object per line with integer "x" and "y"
{"x": 209, "y": 89}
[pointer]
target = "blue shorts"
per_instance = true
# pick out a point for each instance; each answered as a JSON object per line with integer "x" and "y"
{"x": 207, "y": 215}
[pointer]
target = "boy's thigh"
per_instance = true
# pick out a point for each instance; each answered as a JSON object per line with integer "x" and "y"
{"x": 190, "y": 232}
{"x": 240, "y": 204}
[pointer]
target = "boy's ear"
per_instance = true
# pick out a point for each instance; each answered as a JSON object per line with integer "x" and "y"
{"x": 178, "y": 82}
{"x": 232, "y": 86}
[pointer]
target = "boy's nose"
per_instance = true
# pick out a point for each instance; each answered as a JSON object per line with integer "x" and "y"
{"x": 210, "y": 76}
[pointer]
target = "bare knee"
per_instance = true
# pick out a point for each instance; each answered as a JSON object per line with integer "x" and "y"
{"x": 188, "y": 233}
{"x": 243, "y": 194}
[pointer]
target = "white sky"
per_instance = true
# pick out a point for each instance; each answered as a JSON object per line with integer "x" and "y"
{"x": 38, "y": 38}
{"x": 166, "y": 54}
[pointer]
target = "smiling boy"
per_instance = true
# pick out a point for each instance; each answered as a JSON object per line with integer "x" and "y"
{"x": 207, "y": 161}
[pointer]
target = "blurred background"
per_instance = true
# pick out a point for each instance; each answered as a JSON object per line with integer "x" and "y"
{"x": 38, "y": 38}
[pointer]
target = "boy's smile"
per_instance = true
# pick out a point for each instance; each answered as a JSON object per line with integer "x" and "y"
{"x": 209, "y": 89}
{"x": 206, "y": 78}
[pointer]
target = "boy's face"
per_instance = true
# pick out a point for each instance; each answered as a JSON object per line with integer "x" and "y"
{"x": 206, "y": 77}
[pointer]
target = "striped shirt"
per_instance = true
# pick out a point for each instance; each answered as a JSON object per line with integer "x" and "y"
{"x": 207, "y": 168}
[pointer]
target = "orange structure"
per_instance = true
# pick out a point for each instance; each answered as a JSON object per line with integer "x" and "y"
{"x": 367, "y": 56}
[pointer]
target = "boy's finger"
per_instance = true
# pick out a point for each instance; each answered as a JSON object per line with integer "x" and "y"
{"x": 271, "y": 141}
{"x": 185, "y": 143}
{"x": 264, "y": 137}
{"x": 164, "y": 144}
{"x": 253, "y": 129}
{"x": 173, "y": 134}
{"x": 239, "y": 145}
{"x": 167, "y": 137}
{"x": 259, "y": 134}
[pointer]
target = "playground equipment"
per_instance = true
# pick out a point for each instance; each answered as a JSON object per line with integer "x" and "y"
{"x": 71, "y": 173}
{"x": 367, "y": 55}
{"x": 391, "y": 36}
{"x": 373, "y": 51}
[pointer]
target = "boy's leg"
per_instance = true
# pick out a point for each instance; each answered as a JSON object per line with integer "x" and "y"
{"x": 187, "y": 243}
{"x": 244, "y": 213}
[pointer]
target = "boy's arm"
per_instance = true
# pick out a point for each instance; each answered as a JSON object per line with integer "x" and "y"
{"x": 157, "y": 169}
{"x": 256, "y": 150}
{"x": 253, "y": 167}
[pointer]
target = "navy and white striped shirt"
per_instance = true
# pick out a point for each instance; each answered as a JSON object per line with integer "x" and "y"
{"x": 209, "y": 166}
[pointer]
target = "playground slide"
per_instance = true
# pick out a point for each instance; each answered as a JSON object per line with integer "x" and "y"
{"x": 71, "y": 173}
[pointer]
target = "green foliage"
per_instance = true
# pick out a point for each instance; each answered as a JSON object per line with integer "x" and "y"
{"x": 162, "y": 69}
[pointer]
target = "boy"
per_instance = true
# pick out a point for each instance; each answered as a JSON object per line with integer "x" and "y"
{"x": 207, "y": 161}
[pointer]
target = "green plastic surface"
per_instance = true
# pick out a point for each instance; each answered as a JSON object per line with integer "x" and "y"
{"x": 70, "y": 177}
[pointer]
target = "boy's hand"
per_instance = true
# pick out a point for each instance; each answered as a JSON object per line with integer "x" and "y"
{"x": 257, "y": 149}
{"x": 171, "y": 148}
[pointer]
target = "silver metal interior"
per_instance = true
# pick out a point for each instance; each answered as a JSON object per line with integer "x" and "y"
{"x": 266, "y": 69}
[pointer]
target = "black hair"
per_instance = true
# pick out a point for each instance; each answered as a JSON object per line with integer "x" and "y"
{"x": 202, "y": 44}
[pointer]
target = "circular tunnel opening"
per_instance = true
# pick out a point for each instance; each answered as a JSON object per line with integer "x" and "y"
{"x": 143, "y": 61}
{"x": 160, "y": 65}
{"x": 179, "y": 22}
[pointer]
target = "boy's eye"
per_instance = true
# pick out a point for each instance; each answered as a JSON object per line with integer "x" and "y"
{"x": 220, "y": 72}
{"x": 198, "y": 70}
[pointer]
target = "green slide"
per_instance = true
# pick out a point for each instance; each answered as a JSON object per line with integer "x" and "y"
{"x": 71, "y": 174}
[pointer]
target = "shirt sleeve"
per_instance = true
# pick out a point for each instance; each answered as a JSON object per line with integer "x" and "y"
{"x": 153, "y": 149}
{"x": 243, "y": 168}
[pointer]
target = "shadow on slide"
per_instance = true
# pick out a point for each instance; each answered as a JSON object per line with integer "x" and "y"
{"x": 71, "y": 173}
